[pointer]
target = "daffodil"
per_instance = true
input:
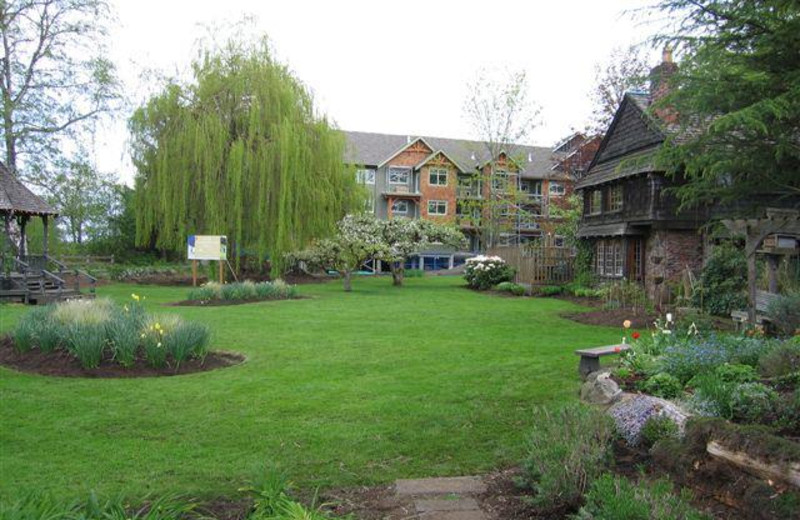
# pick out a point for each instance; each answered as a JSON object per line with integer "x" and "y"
{"x": 135, "y": 296}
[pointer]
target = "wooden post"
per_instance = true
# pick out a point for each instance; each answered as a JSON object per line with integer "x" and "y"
{"x": 23, "y": 222}
{"x": 221, "y": 272}
{"x": 750, "y": 250}
{"x": 46, "y": 238}
{"x": 772, "y": 272}
{"x": 194, "y": 273}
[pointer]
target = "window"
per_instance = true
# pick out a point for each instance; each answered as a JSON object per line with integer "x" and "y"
{"x": 531, "y": 188}
{"x": 608, "y": 259}
{"x": 369, "y": 204}
{"x": 437, "y": 176}
{"x": 365, "y": 176}
{"x": 556, "y": 189}
{"x": 400, "y": 207}
{"x": 398, "y": 175}
{"x": 437, "y": 207}
{"x": 558, "y": 241}
{"x": 615, "y": 198}
{"x": 504, "y": 210}
{"x": 500, "y": 181}
{"x": 596, "y": 202}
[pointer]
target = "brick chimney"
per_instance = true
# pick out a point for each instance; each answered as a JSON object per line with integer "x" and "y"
{"x": 660, "y": 77}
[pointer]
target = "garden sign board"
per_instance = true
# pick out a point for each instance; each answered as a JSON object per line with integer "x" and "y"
{"x": 208, "y": 247}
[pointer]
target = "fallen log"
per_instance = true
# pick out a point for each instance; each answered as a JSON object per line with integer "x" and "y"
{"x": 788, "y": 473}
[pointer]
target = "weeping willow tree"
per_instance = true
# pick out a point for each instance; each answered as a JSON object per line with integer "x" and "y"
{"x": 238, "y": 151}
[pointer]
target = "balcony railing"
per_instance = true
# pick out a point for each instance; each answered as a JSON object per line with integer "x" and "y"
{"x": 400, "y": 189}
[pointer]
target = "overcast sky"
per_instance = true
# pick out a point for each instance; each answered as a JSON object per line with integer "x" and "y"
{"x": 389, "y": 66}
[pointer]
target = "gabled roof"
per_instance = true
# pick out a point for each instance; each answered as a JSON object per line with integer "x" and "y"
{"x": 634, "y": 134}
{"x": 373, "y": 149}
{"x": 409, "y": 144}
{"x": 436, "y": 153}
{"x": 16, "y": 198}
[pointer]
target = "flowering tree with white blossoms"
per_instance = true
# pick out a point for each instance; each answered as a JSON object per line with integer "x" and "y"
{"x": 484, "y": 272}
{"x": 404, "y": 237}
{"x": 358, "y": 239}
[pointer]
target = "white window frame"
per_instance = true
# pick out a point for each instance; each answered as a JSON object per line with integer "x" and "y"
{"x": 398, "y": 170}
{"x": 398, "y": 212}
{"x": 365, "y": 176}
{"x": 620, "y": 201}
{"x": 437, "y": 204}
{"x": 438, "y": 172}
{"x": 500, "y": 176}
{"x": 558, "y": 192}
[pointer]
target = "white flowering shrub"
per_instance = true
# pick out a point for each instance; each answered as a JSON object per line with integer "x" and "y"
{"x": 484, "y": 272}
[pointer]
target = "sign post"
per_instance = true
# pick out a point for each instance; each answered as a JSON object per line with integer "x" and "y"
{"x": 207, "y": 247}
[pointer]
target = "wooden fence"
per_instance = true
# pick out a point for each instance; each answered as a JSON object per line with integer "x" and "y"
{"x": 539, "y": 264}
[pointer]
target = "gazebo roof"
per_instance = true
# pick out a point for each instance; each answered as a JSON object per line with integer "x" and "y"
{"x": 16, "y": 198}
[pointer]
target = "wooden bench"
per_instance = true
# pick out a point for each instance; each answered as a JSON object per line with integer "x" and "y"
{"x": 763, "y": 300}
{"x": 590, "y": 357}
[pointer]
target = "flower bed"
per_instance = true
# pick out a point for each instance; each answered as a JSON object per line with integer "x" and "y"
{"x": 214, "y": 293}
{"x": 99, "y": 332}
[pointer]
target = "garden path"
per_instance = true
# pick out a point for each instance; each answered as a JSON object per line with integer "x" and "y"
{"x": 450, "y": 498}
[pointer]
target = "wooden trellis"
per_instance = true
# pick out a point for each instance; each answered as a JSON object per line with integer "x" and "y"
{"x": 785, "y": 221}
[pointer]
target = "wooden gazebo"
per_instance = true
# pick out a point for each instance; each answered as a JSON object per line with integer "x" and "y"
{"x": 26, "y": 277}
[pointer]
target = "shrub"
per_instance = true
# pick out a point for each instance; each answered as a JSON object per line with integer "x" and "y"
{"x": 789, "y": 413}
{"x": 783, "y": 359}
{"x": 86, "y": 340}
{"x": 414, "y": 273}
{"x": 623, "y": 295}
{"x": 548, "y": 290}
{"x": 246, "y": 290}
{"x": 784, "y": 312}
{"x": 205, "y": 292}
{"x": 511, "y": 288}
{"x": 568, "y": 449}
{"x": 656, "y": 428}
{"x": 722, "y": 281}
{"x": 484, "y": 272}
{"x": 752, "y": 402}
{"x": 736, "y": 373}
{"x": 663, "y": 385}
{"x": 613, "y": 497}
{"x": 50, "y": 334}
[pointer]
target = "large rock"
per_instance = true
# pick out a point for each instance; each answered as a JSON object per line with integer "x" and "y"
{"x": 599, "y": 388}
{"x": 634, "y": 410}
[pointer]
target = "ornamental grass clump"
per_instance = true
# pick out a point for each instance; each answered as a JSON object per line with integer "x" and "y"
{"x": 484, "y": 272}
{"x": 94, "y": 331}
{"x": 243, "y": 291}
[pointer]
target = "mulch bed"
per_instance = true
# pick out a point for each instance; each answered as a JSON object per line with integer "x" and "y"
{"x": 223, "y": 303}
{"x": 611, "y": 318}
{"x": 61, "y": 364}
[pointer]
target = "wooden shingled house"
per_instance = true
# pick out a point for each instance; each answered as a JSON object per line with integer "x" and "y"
{"x": 633, "y": 225}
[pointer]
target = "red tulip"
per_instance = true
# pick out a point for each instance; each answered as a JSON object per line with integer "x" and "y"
{"x": 635, "y": 335}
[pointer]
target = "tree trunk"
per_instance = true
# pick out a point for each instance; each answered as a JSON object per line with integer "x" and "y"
{"x": 346, "y": 281}
{"x": 752, "y": 274}
{"x": 398, "y": 272}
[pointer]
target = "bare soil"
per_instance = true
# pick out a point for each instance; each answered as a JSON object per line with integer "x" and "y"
{"x": 60, "y": 363}
{"x": 612, "y": 318}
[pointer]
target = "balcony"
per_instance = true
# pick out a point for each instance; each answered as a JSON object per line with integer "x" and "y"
{"x": 400, "y": 191}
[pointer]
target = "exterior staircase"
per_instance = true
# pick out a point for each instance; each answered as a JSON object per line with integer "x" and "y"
{"x": 39, "y": 280}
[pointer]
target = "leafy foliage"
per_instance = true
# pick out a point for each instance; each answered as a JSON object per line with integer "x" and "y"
{"x": 723, "y": 281}
{"x": 616, "y": 497}
{"x": 663, "y": 385}
{"x": 784, "y": 312}
{"x": 239, "y": 151}
{"x": 782, "y": 360}
{"x": 511, "y": 288}
{"x": 484, "y": 272}
{"x": 247, "y": 290}
{"x": 656, "y": 428}
{"x": 736, "y": 98}
{"x": 568, "y": 449}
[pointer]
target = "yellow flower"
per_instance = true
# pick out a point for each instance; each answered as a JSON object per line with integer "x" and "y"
{"x": 135, "y": 296}
{"x": 626, "y": 324}
{"x": 125, "y": 307}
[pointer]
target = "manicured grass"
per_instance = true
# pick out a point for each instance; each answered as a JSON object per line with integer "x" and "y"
{"x": 339, "y": 389}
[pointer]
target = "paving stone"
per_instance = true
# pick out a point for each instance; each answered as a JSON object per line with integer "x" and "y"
{"x": 425, "y": 505}
{"x": 441, "y": 486}
{"x": 474, "y": 514}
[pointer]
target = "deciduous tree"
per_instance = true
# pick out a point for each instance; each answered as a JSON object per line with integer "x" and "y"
{"x": 626, "y": 69}
{"x": 241, "y": 151}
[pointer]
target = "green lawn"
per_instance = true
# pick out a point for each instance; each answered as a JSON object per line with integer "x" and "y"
{"x": 339, "y": 389}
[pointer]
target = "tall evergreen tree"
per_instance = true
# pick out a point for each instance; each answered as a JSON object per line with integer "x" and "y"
{"x": 239, "y": 151}
{"x": 735, "y": 99}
